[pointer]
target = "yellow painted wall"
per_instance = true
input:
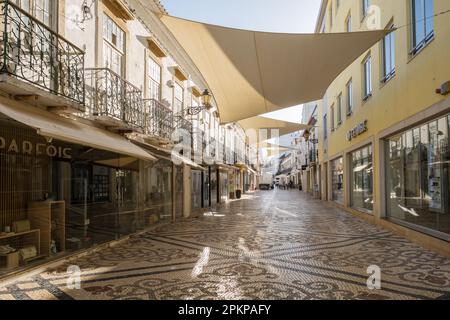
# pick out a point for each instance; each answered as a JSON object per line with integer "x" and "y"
{"x": 410, "y": 91}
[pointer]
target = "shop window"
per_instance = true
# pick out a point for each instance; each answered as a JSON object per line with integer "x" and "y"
{"x": 417, "y": 177}
{"x": 362, "y": 179}
{"x": 196, "y": 190}
{"x": 337, "y": 176}
{"x": 58, "y": 197}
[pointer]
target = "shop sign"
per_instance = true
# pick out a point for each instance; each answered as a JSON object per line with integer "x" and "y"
{"x": 34, "y": 149}
{"x": 357, "y": 131}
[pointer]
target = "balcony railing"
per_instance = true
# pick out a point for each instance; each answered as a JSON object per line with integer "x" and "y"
{"x": 113, "y": 98}
{"x": 33, "y": 53}
{"x": 180, "y": 122}
{"x": 158, "y": 119}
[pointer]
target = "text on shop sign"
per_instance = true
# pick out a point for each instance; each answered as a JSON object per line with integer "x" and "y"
{"x": 34, "y": 149}
{"x": 357, "y": 131}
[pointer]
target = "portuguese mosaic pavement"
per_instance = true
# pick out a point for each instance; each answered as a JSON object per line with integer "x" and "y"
{"x": 270, "y": 245}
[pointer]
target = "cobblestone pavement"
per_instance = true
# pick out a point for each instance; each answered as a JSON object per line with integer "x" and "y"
{"x": 270, "y": 245}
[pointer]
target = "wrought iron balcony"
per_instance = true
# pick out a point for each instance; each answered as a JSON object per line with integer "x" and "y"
{"x": 180, "y": 122}
{"x": 158, "y": 120}
{"x": 114, "y": 101}
{"x": 37, "y": 62}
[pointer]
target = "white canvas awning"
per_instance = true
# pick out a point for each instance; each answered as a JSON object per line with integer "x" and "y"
{"x": 252, "y": 73}
{"x": 53, "y": 126}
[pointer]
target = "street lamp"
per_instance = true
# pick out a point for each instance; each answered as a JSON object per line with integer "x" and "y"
{"x": 206, "y": 104}
{"x": 306, "y": 135}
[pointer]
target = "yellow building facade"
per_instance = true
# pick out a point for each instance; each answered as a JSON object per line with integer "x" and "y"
{"x": 384, "y": 121}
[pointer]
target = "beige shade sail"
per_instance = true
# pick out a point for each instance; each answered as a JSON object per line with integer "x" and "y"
{"x": 284, "y": 127}
{"x": 53, "y": 126}
{"x": 252, "y": 73}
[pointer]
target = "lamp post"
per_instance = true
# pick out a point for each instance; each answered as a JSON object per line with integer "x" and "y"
{"x": 206, "y": 104}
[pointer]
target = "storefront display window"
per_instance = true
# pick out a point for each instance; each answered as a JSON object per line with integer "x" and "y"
{"x": 206, "y": 190}
{"x": 58, "y": 197}
{"x": 179, "y": 192}
{"x": 158, "y": 191}
{"x": 337, "y": 175}
{"x": 224, "y": 186}
{"x": 362, "y": 179}
{"x": 196, "y": 190}
{"x": 214, "y": 186}
{"x": 417, "y": 177}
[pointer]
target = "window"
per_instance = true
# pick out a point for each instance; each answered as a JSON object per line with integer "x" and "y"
{"x": 332, "y": 118}
{"x": 113, "y": 46}
{"x": 178, "y": 98}
{"x": 362, "y": 179}
{"x": 388, "y": 56}
{"x": 40, "y": 9}
{"x": 339, "y": 109}
{"x": 367, "y": 77}
{"x": 422, "y": 24}
{"x": 348, "y": 23}
{"x": 349, "y": 98}
{"x": 417, "y": 180}
{"x": 325, "y": 127}
{"x": 154, "y": 80}
{"x": 365, "y": 7}
{"x": 337, "y": 180}
{"x": 338, "y": 4}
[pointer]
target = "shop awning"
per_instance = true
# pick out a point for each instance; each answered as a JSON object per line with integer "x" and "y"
{"x": 54, "y": 126}
{"x": 251, "y": 73}
{"x": 259, "y": 123}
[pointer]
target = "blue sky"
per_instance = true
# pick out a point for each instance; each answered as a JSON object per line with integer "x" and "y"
{"x": 293, "y": 16}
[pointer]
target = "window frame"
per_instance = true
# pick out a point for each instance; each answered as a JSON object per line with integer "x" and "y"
{"x": 150, "y": 79}
{"x": 367, "y": 85}
{"x": 417, "y": 47}
{"x": 386, "y": 76}
{"x": 339, "y": 109}
{"x": 113, "y": 47}
{"x": 350, "y": 98}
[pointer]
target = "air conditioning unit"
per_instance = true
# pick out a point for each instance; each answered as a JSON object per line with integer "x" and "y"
{"x": 171, "y": 84}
